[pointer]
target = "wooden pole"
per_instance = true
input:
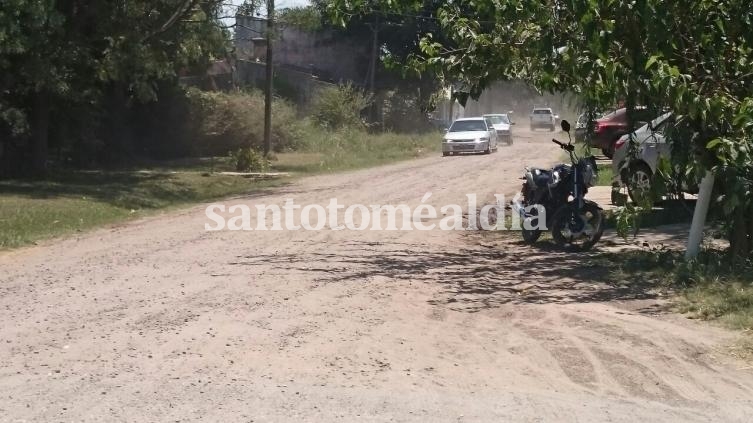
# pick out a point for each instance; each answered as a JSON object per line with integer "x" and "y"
{"x": 269, "y": 82}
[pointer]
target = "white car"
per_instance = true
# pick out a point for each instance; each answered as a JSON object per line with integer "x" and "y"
{"x": 470, "y": 135}
{"x": 502, "y": 124}
{"x": 652, "y": 147}
{"x": 543, "y": 117}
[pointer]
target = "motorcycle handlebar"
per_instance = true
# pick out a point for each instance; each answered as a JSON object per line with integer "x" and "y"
{"x": 568, "y": 147}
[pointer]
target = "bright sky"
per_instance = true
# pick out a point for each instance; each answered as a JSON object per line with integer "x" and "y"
{"x": 280, "y": 4}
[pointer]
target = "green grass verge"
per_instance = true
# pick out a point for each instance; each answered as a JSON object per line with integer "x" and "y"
{"x": 69, "y": 202}
{"x": 76, "y": 201}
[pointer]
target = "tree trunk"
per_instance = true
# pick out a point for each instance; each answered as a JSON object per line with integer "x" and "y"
{"x": 749, "y": 232}
{"x": 117, "y": 132}
{"x": 739, "y": 243}
{"x": 40, "y": 129}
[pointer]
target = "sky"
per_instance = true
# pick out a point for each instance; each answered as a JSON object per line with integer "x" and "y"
{"x": 280, "y": 4}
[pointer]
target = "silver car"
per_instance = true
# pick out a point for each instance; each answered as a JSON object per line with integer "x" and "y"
{"x": 470, "y": 135}
{"x": 651, "y": 148}
{"x": 502, "y": 125}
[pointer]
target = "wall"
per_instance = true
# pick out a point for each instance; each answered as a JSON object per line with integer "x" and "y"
{"x": 322, "y": 53}
{"x": 299, "y": 87}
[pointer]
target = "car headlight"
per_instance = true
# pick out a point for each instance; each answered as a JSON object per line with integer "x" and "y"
{"x": 483, "y": 139}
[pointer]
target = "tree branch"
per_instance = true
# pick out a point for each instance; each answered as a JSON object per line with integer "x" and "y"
{"x": 186, "y": 6}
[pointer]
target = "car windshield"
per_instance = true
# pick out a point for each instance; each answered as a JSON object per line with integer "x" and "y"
{"x": 498, "y": 119}
{"x": 468, "y": 125}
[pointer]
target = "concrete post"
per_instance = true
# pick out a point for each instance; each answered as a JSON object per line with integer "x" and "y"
{"x": 699, "y": 216}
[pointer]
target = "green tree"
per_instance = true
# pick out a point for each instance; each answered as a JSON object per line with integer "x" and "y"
{"x": 72, "y": 65}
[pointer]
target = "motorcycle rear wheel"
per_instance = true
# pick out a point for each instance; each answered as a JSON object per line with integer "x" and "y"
{"x": 578, "y": 230}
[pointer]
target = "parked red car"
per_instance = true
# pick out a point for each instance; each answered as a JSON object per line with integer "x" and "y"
{"x": 610, "y": 127}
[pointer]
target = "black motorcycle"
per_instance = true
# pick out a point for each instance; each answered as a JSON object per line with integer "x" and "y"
{"x": 555, "y": 197}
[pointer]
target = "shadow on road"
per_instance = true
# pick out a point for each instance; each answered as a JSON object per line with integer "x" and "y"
{"x": 476, "y": 275}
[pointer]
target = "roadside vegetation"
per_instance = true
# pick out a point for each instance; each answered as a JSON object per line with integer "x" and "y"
{"x": 224, "y": 131}
{"x": 69, "y": 202}
{"x": 73, "y": 201}
{"x": 711, "y": 287}
{"x": 112, "y": 131}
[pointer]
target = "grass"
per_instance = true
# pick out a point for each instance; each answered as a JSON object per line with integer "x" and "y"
{"x": 325, "y": 151}
{"x": 75, "y": 201}
{"x": 605, "y": 176}
{"x": 729, "y": 301}
{"x": 712, "y": 287}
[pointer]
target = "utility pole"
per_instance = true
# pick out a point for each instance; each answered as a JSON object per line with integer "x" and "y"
{"x": 374, "y": 54}
{"x": 269, "y": 82}
{"x": 373, "y": 65}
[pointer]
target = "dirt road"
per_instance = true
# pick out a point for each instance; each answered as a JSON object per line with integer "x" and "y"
{"x": 159, "y": 320}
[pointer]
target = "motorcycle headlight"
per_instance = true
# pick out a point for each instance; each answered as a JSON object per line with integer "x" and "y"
{"x": 589, "y": 176}
{"x": 555, "y": 178}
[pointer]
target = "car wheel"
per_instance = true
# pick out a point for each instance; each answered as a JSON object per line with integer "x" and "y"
{"x": 445, "y": 154}
{"x": 509, "y": 141}
{"x": 639, "y": 183}
{"x": 552, "y": 128}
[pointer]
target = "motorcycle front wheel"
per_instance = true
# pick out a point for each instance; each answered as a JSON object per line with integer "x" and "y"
{"x": 530, "y": 236}
{"x": 579, "y": 230}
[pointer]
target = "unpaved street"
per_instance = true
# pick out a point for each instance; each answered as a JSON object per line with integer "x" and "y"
{"x": 159, "y": 320}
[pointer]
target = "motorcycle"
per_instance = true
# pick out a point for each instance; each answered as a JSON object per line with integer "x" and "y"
{"x": 556, "y": 197}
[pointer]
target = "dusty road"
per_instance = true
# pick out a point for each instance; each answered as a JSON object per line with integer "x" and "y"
{"x": 159, "y": 320}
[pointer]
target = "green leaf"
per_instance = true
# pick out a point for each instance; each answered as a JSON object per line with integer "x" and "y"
{"x": 651, "y": 61}
{"x": 713, "y": 143}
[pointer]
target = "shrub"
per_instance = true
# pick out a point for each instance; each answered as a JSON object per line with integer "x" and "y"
{"x": 340, "y": 107}
{"x": 231, "y": 121}
{"x": 248, "y": 160}
{"x": 402, "y": 112}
